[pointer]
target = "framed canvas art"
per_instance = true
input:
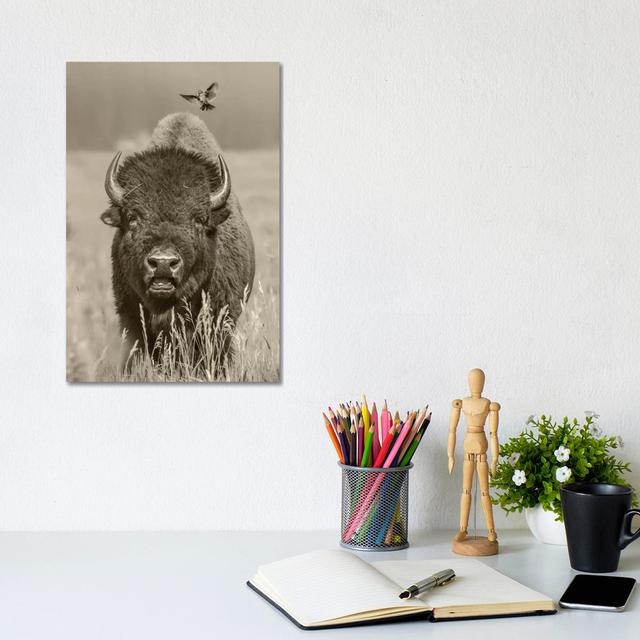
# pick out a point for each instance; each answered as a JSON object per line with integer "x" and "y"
{"x": 173, "y": 222}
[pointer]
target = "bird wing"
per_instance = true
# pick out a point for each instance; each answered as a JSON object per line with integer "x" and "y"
{"x": 189, "y": 98}
{"x": 207, "y": 106}
{"x": 211, "y": 90}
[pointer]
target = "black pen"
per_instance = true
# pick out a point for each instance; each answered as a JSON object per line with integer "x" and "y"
{"x": 436, "y": 580}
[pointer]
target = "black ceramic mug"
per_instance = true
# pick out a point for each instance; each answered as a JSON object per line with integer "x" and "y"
{"x": 597, "y": 519}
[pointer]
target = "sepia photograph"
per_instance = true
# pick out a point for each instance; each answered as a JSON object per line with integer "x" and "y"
{"x": 173, "y": 222}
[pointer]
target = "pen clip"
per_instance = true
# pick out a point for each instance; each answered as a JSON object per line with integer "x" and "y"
{"x": 447, "y": 580}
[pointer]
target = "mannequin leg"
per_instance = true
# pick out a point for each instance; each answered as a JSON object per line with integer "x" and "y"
{"x": 465, "y": 498}
{"x": 483, "y": 481}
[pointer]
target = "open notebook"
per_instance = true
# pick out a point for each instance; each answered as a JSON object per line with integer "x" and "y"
{"x": 337, "y": 588}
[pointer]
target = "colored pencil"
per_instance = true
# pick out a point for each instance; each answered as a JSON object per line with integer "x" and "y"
{"x": 386, "y": 528}
{"x": 335, "y": 417}
{"x": 402, "y": 436}
{"x": 412, "y": 434}
{"x": 360, "y": 441}
{"x": 365, "y": 414}
{"x": 331, "y": 422}
{"x": 353, "y": 432}
{"x": 384, "y": 449}
{"x": 334, "y": 437}
{"x": 389, "y": 494}
{"x": 376, "y": 432}
{"x": 344, "y": 419}
{"x": 368, "y": 444}
{"x": 386, "y": 421}
{"x": 353, "y": 416}
{"x": 420, "y": 434}
{"x": 334, "y": 420}
{"x": 412, "y": 449}
{"x": 344, "y": 445}
{"x": 353, "y": 457}
{"x": 406, "y": 459}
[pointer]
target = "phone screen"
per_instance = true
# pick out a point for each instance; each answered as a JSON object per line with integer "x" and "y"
{"x": 598, "y": 591}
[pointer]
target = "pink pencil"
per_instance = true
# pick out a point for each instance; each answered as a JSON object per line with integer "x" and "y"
{"x": 360, "y": 514}
{"x": 385, "y": 422}
{"x": 376, "y": 431}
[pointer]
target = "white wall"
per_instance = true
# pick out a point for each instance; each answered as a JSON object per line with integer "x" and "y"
{"x": 460, "y": 188}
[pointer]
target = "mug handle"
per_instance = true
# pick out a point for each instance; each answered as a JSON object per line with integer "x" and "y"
{"x": 626, "y": 537}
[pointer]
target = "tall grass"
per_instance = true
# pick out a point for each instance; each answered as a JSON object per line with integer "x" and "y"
{"x": 207, "y": 347}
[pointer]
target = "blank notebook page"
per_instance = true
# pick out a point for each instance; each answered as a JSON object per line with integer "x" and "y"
{"x": 475, "y": 582}
{"x": 324, "y": 585}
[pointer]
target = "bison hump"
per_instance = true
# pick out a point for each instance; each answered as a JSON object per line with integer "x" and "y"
{"x": 185, "y": 131}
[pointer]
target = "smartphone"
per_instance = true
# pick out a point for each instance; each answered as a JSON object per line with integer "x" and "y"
{"x": 602, "y": 593}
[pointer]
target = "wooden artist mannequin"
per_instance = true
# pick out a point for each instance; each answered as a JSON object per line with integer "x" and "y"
{"x": 475, "y": 409}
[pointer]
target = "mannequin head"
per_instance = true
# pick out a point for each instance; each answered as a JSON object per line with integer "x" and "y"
{"x": 476, "y": 382}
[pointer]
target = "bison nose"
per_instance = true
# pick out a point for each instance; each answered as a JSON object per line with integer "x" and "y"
{"x": 163, "y": 264}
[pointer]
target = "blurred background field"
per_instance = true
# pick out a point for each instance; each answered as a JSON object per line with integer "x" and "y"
{"x": 93, "y": 334}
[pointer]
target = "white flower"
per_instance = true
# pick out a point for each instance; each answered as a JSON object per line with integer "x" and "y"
{"x": 595, "y": 430}
{"x": 531, "y": 419}
{"x": 561, "y": 454}
{"x": 513, "y": 458}
{"x": 563, "y": 474}
{"x": 518, "y": 477}
{"x": 591, "y": 414}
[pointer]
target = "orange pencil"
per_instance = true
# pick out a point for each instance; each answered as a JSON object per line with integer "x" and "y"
{"x": 332, "y": 422}
{"x": 334, "y": 438}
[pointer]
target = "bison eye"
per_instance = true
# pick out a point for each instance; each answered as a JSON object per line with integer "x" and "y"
{"x": 132, "y": 217}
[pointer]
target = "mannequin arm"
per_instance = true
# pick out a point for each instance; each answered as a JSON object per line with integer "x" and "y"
{"x": 494, "y": 408}
{"x": 453, "y": 425}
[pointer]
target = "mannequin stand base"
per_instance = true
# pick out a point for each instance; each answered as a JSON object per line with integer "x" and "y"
{"x": 475, "y": 546}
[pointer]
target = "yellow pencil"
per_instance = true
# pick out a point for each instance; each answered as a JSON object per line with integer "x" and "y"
{"x": 365, "y": 415}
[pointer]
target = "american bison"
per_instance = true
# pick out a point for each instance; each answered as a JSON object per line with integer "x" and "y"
{"x": 180, "y": 230}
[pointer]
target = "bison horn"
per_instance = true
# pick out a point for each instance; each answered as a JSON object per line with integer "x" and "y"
{"x": 111, "y": 186}
{"x": 219, "y": 197}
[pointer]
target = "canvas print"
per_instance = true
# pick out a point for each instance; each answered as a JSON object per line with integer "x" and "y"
{"x": 173, "y": 222}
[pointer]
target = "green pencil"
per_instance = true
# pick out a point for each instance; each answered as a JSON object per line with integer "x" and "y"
{"x": 406, "y": 459}
{"x": 368, "y": 444}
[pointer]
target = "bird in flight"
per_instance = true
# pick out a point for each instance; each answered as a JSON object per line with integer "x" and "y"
{"x": 204, "y": 98}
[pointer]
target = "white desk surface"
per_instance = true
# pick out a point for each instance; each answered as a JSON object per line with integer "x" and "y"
{"x": 188, "y": 586}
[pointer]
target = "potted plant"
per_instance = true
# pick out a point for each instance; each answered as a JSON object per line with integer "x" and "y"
{"x": 534, "y": 465}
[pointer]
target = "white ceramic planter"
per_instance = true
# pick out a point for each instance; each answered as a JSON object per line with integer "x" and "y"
{"x": 544, "y": 527}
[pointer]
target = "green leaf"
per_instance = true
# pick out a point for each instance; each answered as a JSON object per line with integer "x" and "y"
{"x": 591, "y": 459}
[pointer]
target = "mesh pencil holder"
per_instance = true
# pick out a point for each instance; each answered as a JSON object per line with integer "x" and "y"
{"x": 375, "y": 508}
